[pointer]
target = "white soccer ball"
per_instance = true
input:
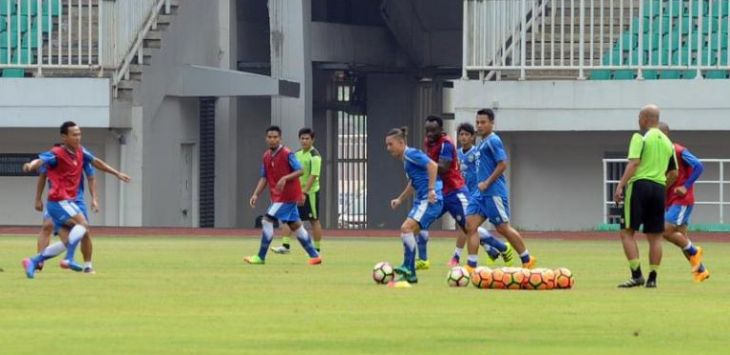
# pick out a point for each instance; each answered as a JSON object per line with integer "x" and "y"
{"x": 383, "y": 272}
{"x": 458, "y": 276}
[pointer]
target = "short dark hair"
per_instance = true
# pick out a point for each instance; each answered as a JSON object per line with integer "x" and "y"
{"x": 436, "y": 119}
{"x": 306, "y": 130}
{"x": 488, "y": 112}
{"x": 466, "y": 127}
{"x": 274, "y": 129}
{"x": 66, "y": 125}
{"x": 401, "y": 132}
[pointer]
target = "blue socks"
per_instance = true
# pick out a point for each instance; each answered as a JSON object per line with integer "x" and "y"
{"x": 267, "y": 235}
{"x": 422, "y": 245}
{"x": 525, "y": 257}
{"x": 306, "y": 242}
{"x": 487, "y": 239}
{"x": 409, "y": 251}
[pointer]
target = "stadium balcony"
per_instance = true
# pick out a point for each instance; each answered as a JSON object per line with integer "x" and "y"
{"x": 596, "y": 39}
{"x": 87, "y": 60}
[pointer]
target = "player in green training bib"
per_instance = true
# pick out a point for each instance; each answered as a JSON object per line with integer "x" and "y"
{"x": 311, "y": 162}
{"x": 642, "y": 192}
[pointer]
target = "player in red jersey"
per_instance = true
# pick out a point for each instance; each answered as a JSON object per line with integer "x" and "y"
{"x": 65, "y": 164}
{"x": 679, "y": 204}
{"x": 280, "y": 170}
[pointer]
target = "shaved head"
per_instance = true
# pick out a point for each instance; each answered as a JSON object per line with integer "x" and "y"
{"x": 664, "y": 128}
{"x": 651, "y": 113}
{"x": 648, "y": 117}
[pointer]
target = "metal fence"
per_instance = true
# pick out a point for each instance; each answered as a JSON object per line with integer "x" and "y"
{"x": 644, "y": 35}
{"x": 75, "y": 34}
{"x": 613, "y": 170}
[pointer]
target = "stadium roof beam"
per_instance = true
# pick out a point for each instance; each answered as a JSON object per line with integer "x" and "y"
{"x": 198, "y": 81}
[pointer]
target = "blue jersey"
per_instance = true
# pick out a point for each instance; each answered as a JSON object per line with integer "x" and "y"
{"x": 415, "y": 163}
{"x": 490, "y": 154}
{"x": 88, "y": 171}
{"x": 468, "y": 162}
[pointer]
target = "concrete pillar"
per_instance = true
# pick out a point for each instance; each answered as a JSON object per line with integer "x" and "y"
{"x": 291, "y": 60}
{"x": 227, "y": 192}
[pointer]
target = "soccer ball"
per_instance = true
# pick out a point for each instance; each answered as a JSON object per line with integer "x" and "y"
{"x": 383, "y": 272}
{"x": 458, "y": 277}
{"x": 481, "y": 277}
{"x": 564, "y": 278}
{"x": 500, "y": 279}
{"x": 515, "y": 278}
{"x": 540, "y": 279}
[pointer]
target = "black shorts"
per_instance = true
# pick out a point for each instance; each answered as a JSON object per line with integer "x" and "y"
{"x": 309, "y": 211}
{"x": 644, "y": 205}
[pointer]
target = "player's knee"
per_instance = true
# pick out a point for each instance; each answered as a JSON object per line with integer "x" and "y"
{"x": 47, "y": 228}
{"x": 407, "y": 227}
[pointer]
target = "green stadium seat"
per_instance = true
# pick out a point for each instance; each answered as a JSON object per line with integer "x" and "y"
{"x": 651, "y": 8}
{"x": 29, "y": 7}
{"x": 682, "y": 57}
{"x": 670, "y": 74}
{"x": 637, "y": 58}
{"x": 600, "y": 74}
{"x": 720, "y": 6}
{"x": 684, "y": 25}
{"x": 47, "y": 24}
{"x": 14, "y": 73}
{"x": 650, "y": 74}
{"x": 615, "y": 57}
{"x": 659, "y": 25}
{"x": 651, "y": 40}
{"x": 4, "y": 56}
{"x": 676, "y": 7}
{"x": 6, "y": 42}
{"x": 51, "y": 6}
{"x": 675, "y": 40}
{"x": 723, "y": 57}
{"x": 656, "y": 55}
{"x": 624, "y": 74}
{"x": 716, "y": 74}
{"x": 4, "y": 7}
{"x": 29, "y": 40}
{"x": 14, "y": 20}
{"x": 689, "y": 74}
{"x": 24, "y": 56}
{"x": 697, "y": 8}
{"x": 628, "y": 40}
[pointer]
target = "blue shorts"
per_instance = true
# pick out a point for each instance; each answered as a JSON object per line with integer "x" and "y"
{"x": 80, "y": 204}
{"x": 494, "y": 208}
{"x": 61, "y": 211}
{"x": 678, "y": 215}
{"x": 284, "y": 212}
{"x": 426, "y": 213}
{"x": 456, "y": 204}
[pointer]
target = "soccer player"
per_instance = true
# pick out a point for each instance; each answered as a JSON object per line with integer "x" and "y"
{"x": 651, "y": 160}
{"x": 64, "y": 168}
{"x": 680, "y": 201}
{"x": 442, "y": 150}
{"x": 491, "y": 201}
{"x": 468, "y": 160}
{"x": 423, "y": 180}
{"x": 47, "y": 228}
{"x": 311, "y": 162}
{"x": 280, "y": 169}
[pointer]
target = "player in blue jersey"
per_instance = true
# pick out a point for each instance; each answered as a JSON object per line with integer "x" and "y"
{"x": 44, "y": 238}
{"x": 491, "y": 201}
{"x": 423, "y": 182}
{"x": 467, "y": 153}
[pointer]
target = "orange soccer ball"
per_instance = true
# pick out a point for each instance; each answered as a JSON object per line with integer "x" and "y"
{"x": 481, "y": 277}
{"x": 564, "y": 278}
{"x": 541, "y": 279}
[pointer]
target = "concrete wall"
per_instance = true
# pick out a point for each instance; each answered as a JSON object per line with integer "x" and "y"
{"x": 18, "y": 193}
{"x": 390, "y": 104}
{"x": 169, "y": 122}
{"x": 603, "y": 105}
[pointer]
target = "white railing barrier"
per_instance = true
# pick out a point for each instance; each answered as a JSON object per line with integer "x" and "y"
{"x": 76, "y": 34}
{"x": 615, "y": 167}
{"x": 525, "y": 35}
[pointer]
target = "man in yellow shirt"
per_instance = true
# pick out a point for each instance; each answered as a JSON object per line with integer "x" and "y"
{"x": 311, "y": 162}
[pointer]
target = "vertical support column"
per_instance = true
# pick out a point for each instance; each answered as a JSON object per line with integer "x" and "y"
{"x": 291, "y": 60}
{"x": 226, "y": 124}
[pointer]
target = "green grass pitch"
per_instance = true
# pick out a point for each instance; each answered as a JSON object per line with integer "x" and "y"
{"x": 196, "y": 296}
